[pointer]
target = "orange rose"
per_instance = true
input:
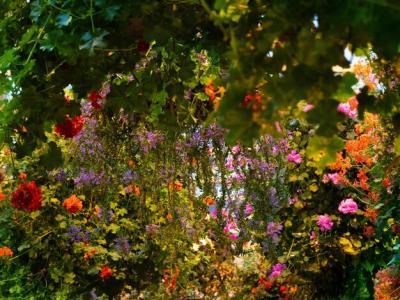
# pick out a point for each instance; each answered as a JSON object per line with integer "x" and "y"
{"x": 72, "y": 204}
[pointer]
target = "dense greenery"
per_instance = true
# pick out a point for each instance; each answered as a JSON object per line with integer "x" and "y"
{"x": 195, "y": 148}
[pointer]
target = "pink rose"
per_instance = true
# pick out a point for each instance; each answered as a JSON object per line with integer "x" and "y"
{"x": 348, "y": 206}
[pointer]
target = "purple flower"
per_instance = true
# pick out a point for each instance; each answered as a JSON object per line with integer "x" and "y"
{"x": 324, "y": 222}
{"x": 277, "y": 270}
{"x": 348, "y": 206}
{"x": 294, "y": 157}
{"x": 273, "y": 230}
{"x": 122, "y": 245}
{"x": 77, "y": 235}
{"x": 93, "y": 295}
{"x": 272, "y": 197}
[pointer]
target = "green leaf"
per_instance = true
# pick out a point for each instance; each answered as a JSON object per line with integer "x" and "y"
{"x": 322, "y": 150}
{"x": 344, "y": 90}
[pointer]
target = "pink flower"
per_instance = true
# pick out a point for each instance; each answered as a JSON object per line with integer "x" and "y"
{"x": 236, "y": 149}
{"x": 294, "y": 157}
{"x": 312, "y": 235}
{"x": 234, "y": 236}
{"x": 249, "y": 209}
{"x": 348, "y": 206}
{"x": 334, "y": 178}
{"x": 344, "y": 108}
{"x": 324, "y": 222}
{"x": 308, "y": 107}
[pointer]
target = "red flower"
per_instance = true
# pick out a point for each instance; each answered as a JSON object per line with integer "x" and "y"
{"x": 2, "y": 196}
{"x": 72, "y": 204}
{"x": 105, "y": 272}
{"x": 283, "y": 289}
{"x": 70, "y": 127}
{"x": 94, "y": 97}
{"x": 27, "y": 197}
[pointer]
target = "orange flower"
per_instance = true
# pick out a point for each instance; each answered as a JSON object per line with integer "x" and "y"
{"x": 106, "y": 272}
{"x": 209, "y": 89}
{"x": 72, "y": 204}
{"x": 88, "y": 255}
{"x": 5, "y": 251}
{"x": 169, "y": 216}
{"x": 178, "y": 186}
{"x": 98, "y": 211}
{"x": 372, "y": 214}
{"x": 131, "y": 163}
{"x": 22, "y": 176}
{"x": 133, "y": 188}
{"x": 363, "y": 179}
{"x": 209, "y": 200}
{"x": 385, "y": 182}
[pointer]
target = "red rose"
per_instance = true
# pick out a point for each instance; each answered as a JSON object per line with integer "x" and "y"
{"x": 105, "y": 272}
{"x": 27, "y": 197}
{"x": 70, "y": 127}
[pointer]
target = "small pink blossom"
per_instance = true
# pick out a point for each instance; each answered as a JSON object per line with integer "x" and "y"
{"x": 249, "y": 209}
{"x": 324, "y": 222}
{"x": 236, "y": 149}
{"x": 308, "y": 107}
{"x": 344, "y": 108}
{"x": 294, "y": 157}
{"x": 334, "y": 178}
{"x": 348, "y": 206}
{"x": 313, "y": 235}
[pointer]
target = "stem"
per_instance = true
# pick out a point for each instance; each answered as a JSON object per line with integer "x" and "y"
{"x": 91, "y": 15}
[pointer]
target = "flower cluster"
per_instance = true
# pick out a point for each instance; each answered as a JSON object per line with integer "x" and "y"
{"x": 70, "y": 127}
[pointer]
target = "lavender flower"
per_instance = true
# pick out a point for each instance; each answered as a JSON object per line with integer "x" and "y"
{"x": 122, "y": 245}
{"x": 273, "y": 230}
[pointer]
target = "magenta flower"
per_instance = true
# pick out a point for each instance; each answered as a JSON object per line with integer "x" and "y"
{"x": 348, "y": 206}
{"x": 249, "y": 209}
{"x": 277, "y": 270}
{"x": 324, "y": 222}
{"x": 294, "y": 157}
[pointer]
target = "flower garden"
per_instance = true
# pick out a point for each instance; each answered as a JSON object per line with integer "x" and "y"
{"x": 188, "y": 149}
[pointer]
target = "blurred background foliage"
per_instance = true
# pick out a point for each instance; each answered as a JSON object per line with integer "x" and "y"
{"x": 285, "y": 50}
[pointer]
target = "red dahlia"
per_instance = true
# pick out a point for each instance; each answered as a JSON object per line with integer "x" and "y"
{"x": 27, "y": 197}
{"x": 70, "y": 127}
